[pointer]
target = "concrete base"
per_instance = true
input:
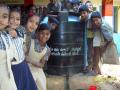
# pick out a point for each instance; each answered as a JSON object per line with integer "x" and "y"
{"x": 75, "y": 82}
{"x": 55, "y": 82}
{"x": 83, "y": 82}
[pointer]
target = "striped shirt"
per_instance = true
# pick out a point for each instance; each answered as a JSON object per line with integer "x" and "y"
{"x": 27, "y": 39}
{"x": 21, "y": 31}
{"x": 18, "y": 42}
{"x": 2, "y": 45}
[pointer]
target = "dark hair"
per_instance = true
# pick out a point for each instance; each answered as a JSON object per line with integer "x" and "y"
{"x": 16, "y": 10}
{"x": 53, "y": 20}
{"x": 30, "y": 15}
{"x": 96, "y": 14}
{"x": 42, "y": 27}
{"x": 5, "y": 6}
{"x": 74, "y": 1}
{"x": 83, "y": 8}
{"x": 88, "y": 2}
{"x": 30, "y": 7}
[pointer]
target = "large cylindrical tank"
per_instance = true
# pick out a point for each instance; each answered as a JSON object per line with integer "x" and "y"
{"x": 67, "y": 49}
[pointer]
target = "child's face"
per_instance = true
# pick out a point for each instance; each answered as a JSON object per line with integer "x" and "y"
{"x": 84, "y": 15}
{"x": 33, "y": 9}
{"x": 90, "y": 6}
{"x": 14, "y": 20}
{"x": 96, "y": 22}
{"x": 53, "y": 26}
{"x": 4, "y": 15}
{"x": 32, "y": 23}
{"x": 43, "y": 36}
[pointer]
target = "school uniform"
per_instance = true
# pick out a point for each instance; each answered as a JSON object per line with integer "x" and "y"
{"x": 7, "y": 81}
{"x": 90, "y": 35}
{"x": 21, "y": 72}
{"x": 35, "y": 55}
{"x": 98, "y": 39}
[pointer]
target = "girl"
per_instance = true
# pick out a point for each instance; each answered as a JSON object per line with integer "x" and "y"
{"x": 38, "y": 54}
{"x": 22, "y": 74}
{"x": 6, "y": 52}
{"x": 31, "y": 26}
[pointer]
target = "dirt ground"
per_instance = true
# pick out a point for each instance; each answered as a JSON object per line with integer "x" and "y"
{"x": 109, "y": 80}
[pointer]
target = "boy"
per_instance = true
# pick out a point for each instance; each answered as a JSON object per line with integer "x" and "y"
{"x": 103, "y": 35}
{"x": 53, "y": 22}
{"x": 84, "y": 13}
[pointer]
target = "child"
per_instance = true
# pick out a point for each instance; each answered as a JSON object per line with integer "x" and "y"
{"x": 6, "y": 52}
{"x": 38, "y": 54}
{"x": 53, "y": 22}
{"x": 31, "y": 26}
{"x": 90, "y": 6}
{"x": 84, "y": 13}
{"x": 103, "y": 35}
{"x": 22, "y": 74}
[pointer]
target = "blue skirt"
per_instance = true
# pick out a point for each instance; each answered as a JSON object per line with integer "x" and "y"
{"x": 23, "y": 77}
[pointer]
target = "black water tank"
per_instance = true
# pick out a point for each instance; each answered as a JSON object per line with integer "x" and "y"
{"x": 67, "y": 49}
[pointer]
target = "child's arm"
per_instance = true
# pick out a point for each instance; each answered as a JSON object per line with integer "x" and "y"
{"x": 39, "y": 64}
{"x": 12, "y": 32}
{"x": 42, "y": 63}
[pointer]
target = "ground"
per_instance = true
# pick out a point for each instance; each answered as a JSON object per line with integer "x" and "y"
{"x": 109, "y": 80}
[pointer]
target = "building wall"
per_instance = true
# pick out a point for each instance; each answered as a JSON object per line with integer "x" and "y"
{"x": 41, "y": 2}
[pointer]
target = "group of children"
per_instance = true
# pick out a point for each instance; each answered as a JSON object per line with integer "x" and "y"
{"x": 23, "y": 54}
{"x": 99, "y": 36}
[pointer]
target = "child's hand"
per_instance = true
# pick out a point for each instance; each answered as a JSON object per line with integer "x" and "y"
{"x": 37, "y": 64}
{"x": 12, "y": 32}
